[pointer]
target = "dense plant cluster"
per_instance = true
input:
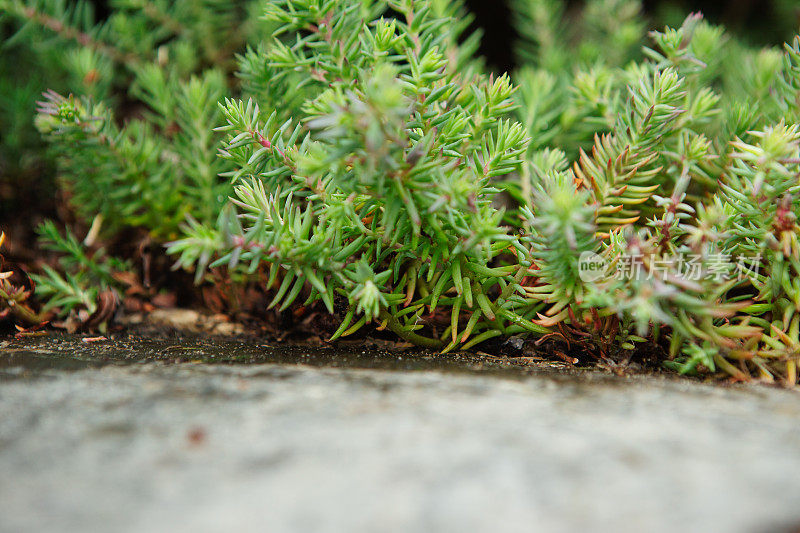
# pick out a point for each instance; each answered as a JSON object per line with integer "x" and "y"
{"x": 620, "y": 192}
{"x": 127, "y": 108}
{"x": 133, "y": 140}
{"x": 684, "y": 169}
{"x": 378, "y": 188}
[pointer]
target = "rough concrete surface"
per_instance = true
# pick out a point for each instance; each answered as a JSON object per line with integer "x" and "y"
{"x": 196, "y": 447}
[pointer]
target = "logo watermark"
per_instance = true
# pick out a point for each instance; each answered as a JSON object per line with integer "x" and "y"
{"x": 689, "y": 267}
{"x": 592, "y": 267}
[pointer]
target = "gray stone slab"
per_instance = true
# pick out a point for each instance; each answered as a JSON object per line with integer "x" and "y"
{"x": 196, "y": 447}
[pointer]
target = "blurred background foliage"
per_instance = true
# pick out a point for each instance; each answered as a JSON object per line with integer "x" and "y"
{"x": 757, "y": 22}
{"x": 25, "y": 177}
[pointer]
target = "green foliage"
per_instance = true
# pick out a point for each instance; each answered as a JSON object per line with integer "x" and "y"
{"x": 563, "y": 231}
{"x": 378, "y": 187}
{"x": 147, "y": 174}
{"x": 362, "y": 158}
{"x": 133, "y": 143}
{"x": 690, "y": 183}
{"x": 133, "y": 139}
{"x": 81, "y": 276}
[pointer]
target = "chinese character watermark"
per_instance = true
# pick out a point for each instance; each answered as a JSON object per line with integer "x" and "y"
{"x": 717, "y": 267}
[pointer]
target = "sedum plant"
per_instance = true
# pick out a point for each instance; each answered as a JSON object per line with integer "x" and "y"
{"x": 375, "y": 195}
{"x": 683, "y": 164}
{"x": 127, "y": 107}
{"x": 84, "y": 281}
{"x": 621, "y": 193}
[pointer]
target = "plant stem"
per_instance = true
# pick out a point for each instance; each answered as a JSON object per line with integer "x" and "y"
{"x": 394, "y": 325}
